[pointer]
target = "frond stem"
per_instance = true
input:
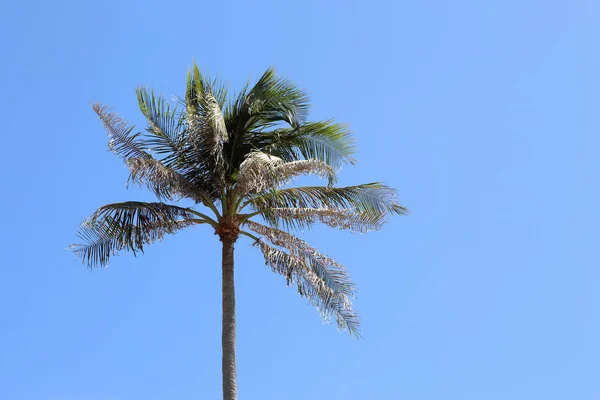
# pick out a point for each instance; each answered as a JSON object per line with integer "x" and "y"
{"x": 204, "y": 217}
{"x": 246, "y": 217}
{"x": 234, "y": 202}
{"x": 251, "y": 236}
{"x": 206, "y": 201}
{"x": 238, "y": 203}
{"x": 223, "y": 201}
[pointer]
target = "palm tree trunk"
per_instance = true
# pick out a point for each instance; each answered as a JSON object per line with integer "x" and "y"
{"x": 228, "y": 334}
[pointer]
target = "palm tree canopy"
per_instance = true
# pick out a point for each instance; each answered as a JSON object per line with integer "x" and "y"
{"x": 235, "y": 157}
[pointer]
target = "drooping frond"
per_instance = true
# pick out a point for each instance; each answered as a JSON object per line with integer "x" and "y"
{"x": 333, "y": 273}
{"x": 121, "y": 139}
{"x": 104, "y": 240}
{"x": 374, "y": 198}
{"x": 328, "y": 303}
{"x": 299, "y": 218}
{"x": 129, "y": 225}
{"x": 261, "y": 171}
{"x": 164, "y": 182}
{"x": 323, "y": 281}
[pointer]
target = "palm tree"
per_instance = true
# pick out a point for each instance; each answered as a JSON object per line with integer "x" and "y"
{"x": 233, "y": 159}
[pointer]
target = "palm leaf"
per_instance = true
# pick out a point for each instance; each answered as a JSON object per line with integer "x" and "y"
{"x": 129, "y": 225}
{"x": 165, "y": 129}
{"x": 332, "y": 273}
{"x": 327, "y": 141}
{"x": 317, "y": 277}
{"x": 261, "y": 171}
{"x": 122, "y": 141}
{"x": 275, "y": 99}
{"x": 164, "y": 182}
{"x": 272, "y": 99}
{"x": 207, "y": 131}
{"x": 300, "y": 218}
{"x": 371, "y": 197}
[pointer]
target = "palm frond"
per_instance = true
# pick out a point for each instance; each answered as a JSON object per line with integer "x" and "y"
{"x": 327, "y": 141}
{"x": 333, "y": 273}
{"x": 320, "y": 279}
{"x": 373, "y": 199}
{"x": 122, "y": 141}
{"x": 199, "y": 84}
{"x": 194, "y": 89}
{"x": 201, "y": 91}
{"x": 207, "y": 131}
{"x": 261, "y": 171}
{"x": 165, "y": 129}
{"x": 163, "y": 117}
{"x": 271, "y": 100}
{"x": 164, "y": 182}
{"x": 300, "y": 218}
{"x": 128, "y": 225}
{"x": 215, "y": 119}
{"x": 213, "y": 133}
{"x": 237, "y": 110}
{"x": 276, "y": 99}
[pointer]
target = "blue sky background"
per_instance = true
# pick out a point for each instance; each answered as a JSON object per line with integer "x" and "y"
{"x": 485, "y": 117}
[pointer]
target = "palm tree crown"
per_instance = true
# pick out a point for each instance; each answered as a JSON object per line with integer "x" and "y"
{"x": 234, "y": 158}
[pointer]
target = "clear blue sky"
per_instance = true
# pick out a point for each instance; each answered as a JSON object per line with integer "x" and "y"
{"x": 485, "y": 117}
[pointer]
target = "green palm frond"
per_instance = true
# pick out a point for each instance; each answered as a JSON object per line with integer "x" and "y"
{"x": 199, "y": 84}
{"x": 261, "y": 171}
{"x": 199, "y": 91}
{"x": 236, "y": 108}
{"x": 165, "y": 131}
{"x": 275, "y": 99}
{"x": 193, "y": 90}
{"x": 323, "y": 281}
{"x": 121, "y": 139}
{"x": 271, "y": 100}
{"x": 301, "y": 218}
{"x": 130, "y": 225}
{"x": 163, "y": 117}
{"x": 375, "y": 198}
{"x": 327, "y": 141}
{"x": 168, "y": 136}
